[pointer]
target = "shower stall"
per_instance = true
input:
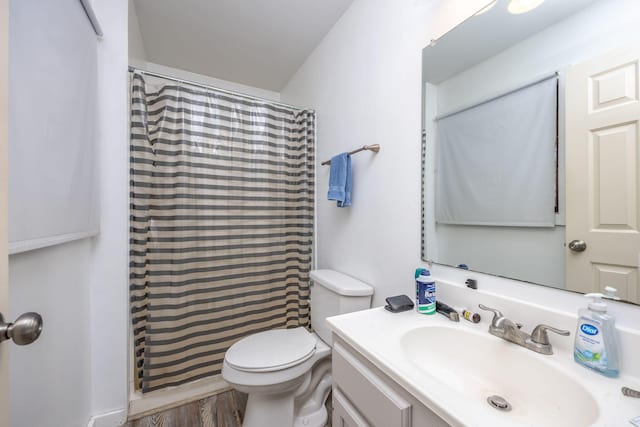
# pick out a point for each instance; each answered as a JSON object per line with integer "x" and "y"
{"x": 221, "y": 224}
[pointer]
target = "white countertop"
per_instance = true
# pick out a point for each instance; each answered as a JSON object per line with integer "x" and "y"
{"x": 377, "y": 333}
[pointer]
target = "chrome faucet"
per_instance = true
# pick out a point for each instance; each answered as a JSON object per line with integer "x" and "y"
{"x": 504, "y": 328}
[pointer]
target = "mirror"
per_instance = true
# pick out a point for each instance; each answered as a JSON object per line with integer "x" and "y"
{"x": 531, "y": 154}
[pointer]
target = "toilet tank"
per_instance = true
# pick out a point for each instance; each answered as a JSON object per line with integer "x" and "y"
{"x": 334, "y": 293}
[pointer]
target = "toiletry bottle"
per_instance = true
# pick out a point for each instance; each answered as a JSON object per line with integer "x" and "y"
{"x": 425, "y": 293}
{"x": 471, "y": 316}
{"x": 596, "y": 343}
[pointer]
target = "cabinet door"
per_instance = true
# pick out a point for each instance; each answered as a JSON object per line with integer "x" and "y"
{"x": 381, "y": 405}
{"x": 344, "y": 414}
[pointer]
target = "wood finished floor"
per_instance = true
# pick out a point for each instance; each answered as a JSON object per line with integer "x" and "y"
{"x": 222, "y": 410}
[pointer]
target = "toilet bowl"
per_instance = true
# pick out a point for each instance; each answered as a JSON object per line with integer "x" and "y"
{"x": 287, "y": 372}
{"x": 282, "y": 385}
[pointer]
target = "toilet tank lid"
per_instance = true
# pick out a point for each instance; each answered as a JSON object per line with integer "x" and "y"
{"x": 341, "y": 283}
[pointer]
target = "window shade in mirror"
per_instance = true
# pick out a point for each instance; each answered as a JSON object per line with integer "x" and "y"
{"x": 496, "y": 161}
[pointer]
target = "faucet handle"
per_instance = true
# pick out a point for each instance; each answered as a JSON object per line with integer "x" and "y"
{"x": 539, "y": 334}
{"x": 497, "y": 314}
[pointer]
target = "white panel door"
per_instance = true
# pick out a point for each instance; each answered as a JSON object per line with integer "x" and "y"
{"x": 4, "y": 237}
{"x": 29, "y": 327}
{"x": 603, "y": 173}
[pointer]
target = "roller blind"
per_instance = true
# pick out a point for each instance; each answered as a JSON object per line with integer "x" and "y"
{"x": 52, "y": 77}
{"x": 497, "y": 161}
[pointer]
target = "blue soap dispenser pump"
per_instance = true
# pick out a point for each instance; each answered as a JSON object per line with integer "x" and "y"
{"x": 596, "y": 343}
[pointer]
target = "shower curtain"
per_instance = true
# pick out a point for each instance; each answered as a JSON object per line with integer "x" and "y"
{"x": 221, "y": 222}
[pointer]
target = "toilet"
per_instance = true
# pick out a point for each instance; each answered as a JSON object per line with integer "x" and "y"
{"x": 287, "y": 372}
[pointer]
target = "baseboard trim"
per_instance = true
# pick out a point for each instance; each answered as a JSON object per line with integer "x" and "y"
{"x": 110, "y": 419}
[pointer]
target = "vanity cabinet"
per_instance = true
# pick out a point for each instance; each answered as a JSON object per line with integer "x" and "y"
{"x": 344, "y": 414}
{"x": 363, "y": 396}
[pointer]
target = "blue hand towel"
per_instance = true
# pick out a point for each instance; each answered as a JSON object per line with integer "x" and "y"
{"x": 340, "y": 180}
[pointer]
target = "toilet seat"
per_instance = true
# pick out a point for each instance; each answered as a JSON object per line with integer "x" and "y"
{"x": 271, "y": 350}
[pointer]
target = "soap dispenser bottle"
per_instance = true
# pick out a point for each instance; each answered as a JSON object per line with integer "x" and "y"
{"x": 596, "y": 343}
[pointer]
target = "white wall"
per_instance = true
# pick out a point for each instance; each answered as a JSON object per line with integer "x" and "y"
{"x": 138, "y": 58}
{"x": 50, "y": 379}
{"x": 109, "y": 275}
{"x": 137, "y": 51}
{"x": 210, "y": 81}
{"x": 364, "y": 80}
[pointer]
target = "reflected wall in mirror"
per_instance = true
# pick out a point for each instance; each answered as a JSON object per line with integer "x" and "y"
{"x": 531, "y": 145}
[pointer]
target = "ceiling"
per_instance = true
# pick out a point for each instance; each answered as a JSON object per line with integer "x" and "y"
{"x": 260, "y": 43}
{"x": 488, "y": 34}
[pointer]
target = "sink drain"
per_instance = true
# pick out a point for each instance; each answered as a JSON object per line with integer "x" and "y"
{"x": 499, "y": 402}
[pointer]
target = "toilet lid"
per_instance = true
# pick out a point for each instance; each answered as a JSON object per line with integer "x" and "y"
{"x": 271, "y": 350}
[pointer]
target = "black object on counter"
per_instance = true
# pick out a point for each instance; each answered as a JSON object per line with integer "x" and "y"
{"x": 398, "y": 304}
{"x": 471, "y": 283}
{"x": 447, "y": 311}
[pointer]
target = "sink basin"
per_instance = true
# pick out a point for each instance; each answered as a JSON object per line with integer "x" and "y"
{"x": 479, "y": 365}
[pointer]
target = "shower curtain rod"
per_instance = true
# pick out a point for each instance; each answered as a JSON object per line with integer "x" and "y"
{"x": 230, "y": 92}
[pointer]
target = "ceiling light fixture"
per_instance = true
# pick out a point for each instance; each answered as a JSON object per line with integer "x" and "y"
{"x": 487, "y": 7}
{"x": 517, "y": 7}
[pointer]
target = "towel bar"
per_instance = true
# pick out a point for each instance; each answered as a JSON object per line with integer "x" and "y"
{"x": 375, "y": 148}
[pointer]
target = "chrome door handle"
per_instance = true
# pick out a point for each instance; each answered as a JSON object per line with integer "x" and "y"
{"x": 25, "y": 330}
{"x": 578, "y": 245}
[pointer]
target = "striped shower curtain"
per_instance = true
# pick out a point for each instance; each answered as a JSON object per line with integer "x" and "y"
{"x": 221, "y": 221}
